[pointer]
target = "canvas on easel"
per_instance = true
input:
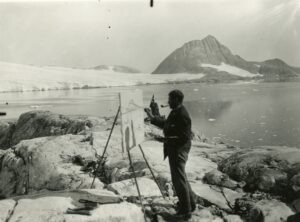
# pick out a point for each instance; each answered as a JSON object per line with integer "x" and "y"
{"x": 132, "y": 118}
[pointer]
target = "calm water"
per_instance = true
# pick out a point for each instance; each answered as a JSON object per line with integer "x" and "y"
{"x": 240, "y": 114}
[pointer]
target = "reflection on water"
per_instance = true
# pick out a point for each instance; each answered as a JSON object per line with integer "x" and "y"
{"x": 208, "y": 110}
{"x": 245, "y": 114}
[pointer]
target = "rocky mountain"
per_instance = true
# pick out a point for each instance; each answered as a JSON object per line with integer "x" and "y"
{"x": 117, "y": 68}
{"x": 277, "y": 69}
{"x": 209, "y": 56}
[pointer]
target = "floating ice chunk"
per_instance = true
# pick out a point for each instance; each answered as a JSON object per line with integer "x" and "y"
{"x": 196, "y": 90}
{"x": 260, "y": 139}
{"x": 211, "y": 120}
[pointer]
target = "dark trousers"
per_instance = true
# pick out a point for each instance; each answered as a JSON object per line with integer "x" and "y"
{"x": 182, "y": 187}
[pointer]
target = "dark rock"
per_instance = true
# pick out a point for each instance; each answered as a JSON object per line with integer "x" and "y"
{"x": 269, "y": 169}
{"x": 294, "y": 218}
{"x": 276, "y": 69}
{"x": 6, "y": 131}
{"x": 256, "y": 215}
{"x": 296, "y": 205}
{"x": 44, "y": 123}
{"x": 269, "y": 211}
{"x": 206, "y": 51}
{"x": 216, "y": 177}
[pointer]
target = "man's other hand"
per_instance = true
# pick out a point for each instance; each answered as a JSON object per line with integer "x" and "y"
{"x": 149, "y": 114}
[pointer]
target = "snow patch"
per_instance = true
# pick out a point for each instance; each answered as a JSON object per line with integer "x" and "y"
{"x": 231, "y": 69}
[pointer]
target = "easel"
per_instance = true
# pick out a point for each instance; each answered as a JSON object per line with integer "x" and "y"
{"x": 101, "y": 163}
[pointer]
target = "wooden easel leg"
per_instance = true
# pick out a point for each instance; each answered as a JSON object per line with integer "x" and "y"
{"x": 156, "y": 181}
{"x": 136, "y": 183}
{"x": 106, "y": 145}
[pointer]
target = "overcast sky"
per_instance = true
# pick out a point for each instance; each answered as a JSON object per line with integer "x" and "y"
{"x": 129, "y": 32}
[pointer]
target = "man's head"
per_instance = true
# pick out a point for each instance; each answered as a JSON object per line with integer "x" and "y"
{"x": 175, "y": 98}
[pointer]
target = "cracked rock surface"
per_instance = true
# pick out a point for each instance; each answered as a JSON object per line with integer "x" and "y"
{"x": 44, "y": 163}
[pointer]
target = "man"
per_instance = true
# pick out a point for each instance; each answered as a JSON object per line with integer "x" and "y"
{"x": 177, "y": 144}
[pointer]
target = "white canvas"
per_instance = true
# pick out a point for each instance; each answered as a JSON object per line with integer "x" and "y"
{"x": 132, "y": 118}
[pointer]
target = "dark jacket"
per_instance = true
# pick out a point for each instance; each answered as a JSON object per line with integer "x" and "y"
{"x": 178, "y": 124}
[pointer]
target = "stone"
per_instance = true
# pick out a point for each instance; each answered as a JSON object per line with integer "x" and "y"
{"x": 35, "y": 124}
{"x": 127, "y": 188}
{"x": 294, "y": 218}
{"x": 54, "y": 209}
{"x": 52, "y": 206}
{"x": 6, "y": 131}
{"x": 232, "y": 218}
{"x": 94, "y": 195}
{"x": 205, "y": 215}
{"x": 273, "y": 211}
{"x": 45, "y": 163}
{"x": 296, "y": 182}
{"x": 216, "y": 177}
{"x": 6, "y": 208}
{"x": 296, "y": 205}
{"x": 159, "y": 201}
{"x": 214, "y": 195}
{"x": 123, "y": 212}
{"x": 269, "y": 169}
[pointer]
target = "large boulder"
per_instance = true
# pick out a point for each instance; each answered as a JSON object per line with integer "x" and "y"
{"x": 6, "y": 131}
{"x": 272, "y": 211}
{"x": 269, "y": 169}
{"x": 35, "y": 124}
{"x": 45, "y": 163}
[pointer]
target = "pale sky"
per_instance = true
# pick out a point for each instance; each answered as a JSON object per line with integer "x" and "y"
{"x": 129, "y": 32}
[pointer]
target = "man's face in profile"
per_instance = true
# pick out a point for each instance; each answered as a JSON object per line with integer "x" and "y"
{"x": 173, "y": 102}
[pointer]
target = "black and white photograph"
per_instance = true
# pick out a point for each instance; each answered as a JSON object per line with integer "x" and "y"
{"x": 149, "y": 110}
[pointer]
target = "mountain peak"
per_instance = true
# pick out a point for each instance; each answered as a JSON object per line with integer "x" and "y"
{"x": 210, "y": 38}
{"x": 190, "y": 57}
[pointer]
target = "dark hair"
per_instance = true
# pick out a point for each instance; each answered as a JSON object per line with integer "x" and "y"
{"x": 177, "y": 94}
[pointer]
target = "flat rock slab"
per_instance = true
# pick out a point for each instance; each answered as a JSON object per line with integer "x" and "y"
{"x": 214, "y": 195}
{"x": 93, "y": 195}
{"x": 6, "y": 208}
{"x": 123, "y": 212}
{"x": 53, "y": 208}
{"x": 148, "y": 187}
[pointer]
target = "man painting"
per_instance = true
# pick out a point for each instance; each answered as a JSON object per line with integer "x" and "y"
{"x": 177, "y": 144}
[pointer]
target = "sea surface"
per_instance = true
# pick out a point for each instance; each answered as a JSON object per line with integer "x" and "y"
{"x": 244, "y": 114}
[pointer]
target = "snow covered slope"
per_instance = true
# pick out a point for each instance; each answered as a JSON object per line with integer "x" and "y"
{"x": 232, "y": 70}
{"x": 17, "y": 77}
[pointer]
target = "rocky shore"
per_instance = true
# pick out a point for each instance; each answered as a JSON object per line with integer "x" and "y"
{"x": 47, "y": 162}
